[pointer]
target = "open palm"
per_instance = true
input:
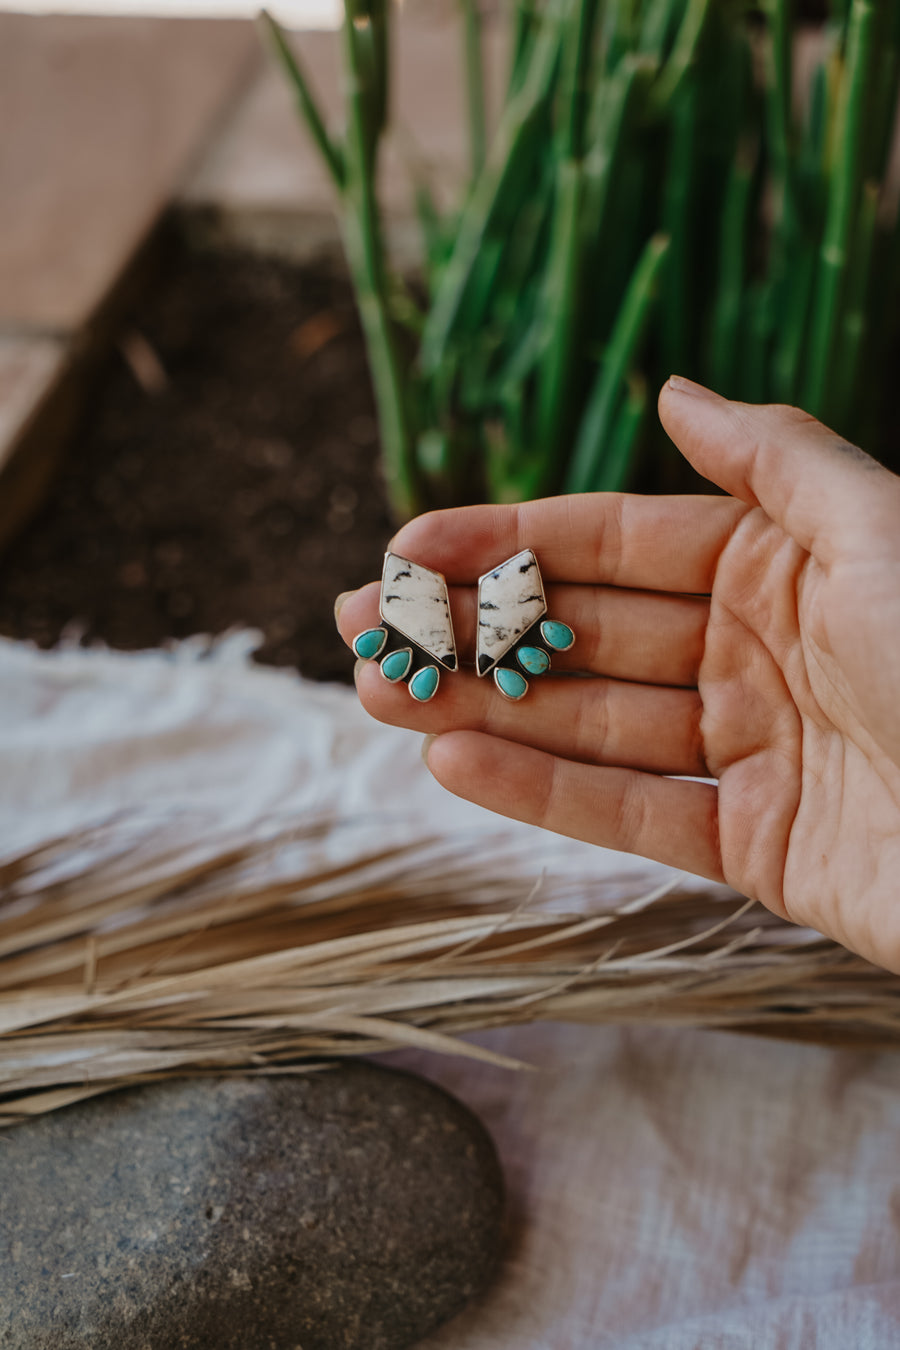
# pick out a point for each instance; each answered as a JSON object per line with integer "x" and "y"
{"x": 753, "y": 639}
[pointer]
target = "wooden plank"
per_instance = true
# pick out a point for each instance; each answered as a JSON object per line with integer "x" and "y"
{"x": 108, "y": 116}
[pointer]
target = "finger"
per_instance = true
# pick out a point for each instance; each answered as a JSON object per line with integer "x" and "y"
{"x": 628, "y": 635}
{"x": 824, "y": 492}
{"x": 595, "y": 721}
{"x": 359, "y": 611}
{"x": 672, "y": 822}
{"x": 653, "y": 543}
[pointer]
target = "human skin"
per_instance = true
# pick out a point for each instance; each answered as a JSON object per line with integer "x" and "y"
{"x": 752, "y": 639}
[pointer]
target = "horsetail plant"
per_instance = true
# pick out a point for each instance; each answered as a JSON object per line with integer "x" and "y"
{"x": 657, "y": 195}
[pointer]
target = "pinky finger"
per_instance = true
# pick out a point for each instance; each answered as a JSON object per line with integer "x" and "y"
{"x": 665, "y": 819}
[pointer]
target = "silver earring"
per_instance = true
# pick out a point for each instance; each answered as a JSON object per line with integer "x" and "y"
{"x": 415, "y": 639}
{"x": 515, "y": 640}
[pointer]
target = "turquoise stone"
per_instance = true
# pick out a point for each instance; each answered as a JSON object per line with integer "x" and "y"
{"x": 533, "y": 659}
{"x": 510, "y": 682}
{"x": 424, "y": 683}
{"x": 395, "y": 666}
{"x": 369, "y": 643}
{"x": 557, "y": 635}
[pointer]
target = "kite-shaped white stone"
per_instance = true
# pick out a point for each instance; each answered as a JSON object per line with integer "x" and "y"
{"x": 510, "y": 600}
{"x": 415, "y": 603}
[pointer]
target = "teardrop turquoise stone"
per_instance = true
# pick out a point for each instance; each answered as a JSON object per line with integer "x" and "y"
{"x": 424, "y": 683}
{"x": 369, "y": 643}
{"x": 510, "y": 682}
{"x": 557, "y": 635}
{"x": 395, "y": 666}
{"x": 533, "y": 659}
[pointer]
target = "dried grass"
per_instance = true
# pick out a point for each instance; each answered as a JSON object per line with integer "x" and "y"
{"x": 137, "y": 961}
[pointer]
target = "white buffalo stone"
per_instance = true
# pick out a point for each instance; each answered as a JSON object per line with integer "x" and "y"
{"x": 510, "y": 600}
{"x": 415, "y": 603}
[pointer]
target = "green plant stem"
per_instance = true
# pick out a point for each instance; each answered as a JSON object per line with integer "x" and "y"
{"x": 779, "y": 84}
{"x": 519, "y": 366}
{"x": 586, "y": 471}
{"x": 474, "y": 66}
{"x": 574, "y": 78}
{"x": 584, "y": 194}
{"x": 759, "y": 333}
{"x": 619, "y": 462}
{"x": 683, "y": 52}
{"x": 512, "y": 149}
{"x": 856, "y": 312}
{"x": 785, "y": 244}
{"x": 362, "y": 237}
{"x": 548, "y": 314}
{"x": 790, "y": 351}
{"x": 843, "y": 201}
{"x": 434, "y": 245}
{"x": 614, "y": 180}
{"x": 484, "y": 205}
{"x": 523, "y": 32}
{"x": 306, "y": 102}
{"x": 561, "y": 322}
{"x": 884, "y": 93}
{"x": 377, "y": 10}
{"x": 620, "y": 29}
{"x": 792, "y": 347}
{"x": 563, "y": 299}
{"x": 729, "y": 294}
{"x": 656, "y": 23}
{"x": 679, "y": 196}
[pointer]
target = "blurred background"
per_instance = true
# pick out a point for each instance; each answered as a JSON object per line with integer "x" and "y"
{"x": 187, "y": 435}
{"x": 542, "y": 210}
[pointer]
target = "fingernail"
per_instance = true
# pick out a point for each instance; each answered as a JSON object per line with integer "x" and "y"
{"x": 679, "y": 385}
{"x": 357, "y": 668}
{"x": 339, "y": 602}
{"x": 427, "y": 742}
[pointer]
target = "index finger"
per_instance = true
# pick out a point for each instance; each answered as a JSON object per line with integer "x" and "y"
{"x": 609, "y": 538}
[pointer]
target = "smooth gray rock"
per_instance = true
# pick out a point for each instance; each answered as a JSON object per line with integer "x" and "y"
{"x": 355, "y": 1208}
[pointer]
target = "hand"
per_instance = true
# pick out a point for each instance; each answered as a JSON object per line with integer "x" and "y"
{"x": 753, "y": 639}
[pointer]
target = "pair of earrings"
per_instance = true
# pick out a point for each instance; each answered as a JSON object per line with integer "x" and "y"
{"x": 415, "y": 640}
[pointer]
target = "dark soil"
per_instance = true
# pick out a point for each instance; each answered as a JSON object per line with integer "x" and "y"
{"x": 227, "y": 475}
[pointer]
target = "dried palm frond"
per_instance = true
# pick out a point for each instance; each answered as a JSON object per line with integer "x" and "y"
{"x": 123, "y": 959}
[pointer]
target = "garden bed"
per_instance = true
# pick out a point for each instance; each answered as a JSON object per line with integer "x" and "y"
{"x": 227, "y": 473}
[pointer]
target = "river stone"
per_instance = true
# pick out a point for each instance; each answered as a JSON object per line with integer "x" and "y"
{"x": 355, "y": 1208}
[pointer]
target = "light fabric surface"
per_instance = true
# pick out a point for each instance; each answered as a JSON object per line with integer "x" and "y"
{"x": 688, "y": 1190}
{"x": 668, "y": 1189}
{"x": 211, "y": 747}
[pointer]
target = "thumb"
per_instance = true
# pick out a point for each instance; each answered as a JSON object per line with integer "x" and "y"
{"x": 824, "y": 492}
